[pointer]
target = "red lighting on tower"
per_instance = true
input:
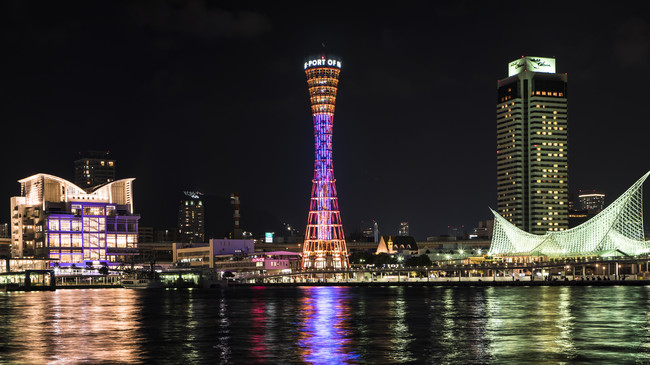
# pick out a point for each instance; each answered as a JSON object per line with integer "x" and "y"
{"x": 324, "y": 245}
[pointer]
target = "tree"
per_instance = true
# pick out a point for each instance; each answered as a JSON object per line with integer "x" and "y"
{"x": 361, "y": 258}
{"x": 384, "y": 259}
{"x": 422, "y": 260}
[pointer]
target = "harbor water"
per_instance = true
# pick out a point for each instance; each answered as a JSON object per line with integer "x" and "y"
{"x": 328, "y": 325}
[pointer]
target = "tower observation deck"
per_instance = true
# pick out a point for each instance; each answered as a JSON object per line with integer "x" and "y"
{"x": 324, "y": 245}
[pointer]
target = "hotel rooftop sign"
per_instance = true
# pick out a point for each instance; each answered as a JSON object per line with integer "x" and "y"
{"x": 535, "y": 64}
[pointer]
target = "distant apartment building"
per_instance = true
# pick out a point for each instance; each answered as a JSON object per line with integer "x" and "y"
{"x": 93, "y": 168}
{"x": 404, "y": 228}
{"x": 456, "y": 231}
{"x": 165, "y": 235}
{"x": 191, "y": 218}
{"x": 56, "y": 219}
{"x": 588, "y": 204}
{"x": 4, "y": 230}
{"x": 591, "y": 200}
{"x": 370, "y": 231}
{"x": 483, "y": 230}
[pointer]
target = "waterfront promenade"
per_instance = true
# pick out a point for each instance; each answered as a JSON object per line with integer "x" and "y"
{"x": 568, "y": 271}
{"x": 462, "y": 282}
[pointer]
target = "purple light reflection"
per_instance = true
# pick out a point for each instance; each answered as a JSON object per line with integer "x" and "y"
{"x": 325, "y": 326}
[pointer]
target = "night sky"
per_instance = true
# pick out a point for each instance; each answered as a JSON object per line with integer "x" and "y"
{"x": 212, "y": 97}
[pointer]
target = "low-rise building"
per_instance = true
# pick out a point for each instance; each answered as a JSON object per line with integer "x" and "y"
{"x": 203, "y": 254}
{"x": 397, "y": 244}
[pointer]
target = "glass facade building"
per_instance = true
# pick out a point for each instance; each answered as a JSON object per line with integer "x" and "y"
{"x": 91, "y": 231}
{"x": 56, "y": 219}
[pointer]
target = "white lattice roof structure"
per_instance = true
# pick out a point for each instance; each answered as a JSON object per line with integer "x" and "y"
{"x": 619, "y": 227}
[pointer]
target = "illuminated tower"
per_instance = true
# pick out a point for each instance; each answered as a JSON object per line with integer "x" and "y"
{"x": 532, "y": 157}
{"x": 324, "y": 241}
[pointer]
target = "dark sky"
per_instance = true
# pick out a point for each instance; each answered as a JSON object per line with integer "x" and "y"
{"x": 212, "y": 96}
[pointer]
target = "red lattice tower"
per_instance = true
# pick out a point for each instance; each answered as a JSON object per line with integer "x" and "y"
{"x": 324, "y": 245}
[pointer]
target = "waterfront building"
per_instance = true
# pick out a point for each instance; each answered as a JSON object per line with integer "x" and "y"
{"x": 324, "y": 245}
{"x": 203, "y": 254}
{"x": 532, "y": 157}
{"x": 56, "y": 219}
{"x": 404, "y": 228}
{"x": 273, "y": 262}
{"x": 93, "y": 168}
{"x": 162, "y": 253}
{"x": 191, "y": 217}
{"x": 27, "y": 274}
{"x": 616, "y": 231}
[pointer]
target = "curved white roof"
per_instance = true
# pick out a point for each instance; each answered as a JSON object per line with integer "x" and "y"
{"x": 37, "y": 189}
{"x": 617, "y": 227}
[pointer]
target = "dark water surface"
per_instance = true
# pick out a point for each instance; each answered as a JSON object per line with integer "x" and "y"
{"x": 328, "y": 325}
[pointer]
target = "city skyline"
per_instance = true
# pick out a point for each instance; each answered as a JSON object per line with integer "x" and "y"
{"x": 215, "y": 97}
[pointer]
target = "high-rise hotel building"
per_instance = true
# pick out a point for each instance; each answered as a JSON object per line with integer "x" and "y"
{"x": 532, "y": 157}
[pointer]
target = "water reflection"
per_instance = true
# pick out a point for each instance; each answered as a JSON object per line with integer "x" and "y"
{"x": 73, "y": 327}
{"x": 325, "y": 327}
{"x": 258, "y": 327}
{"x": 400, "y": 335}
{"x": 223, "y": 334}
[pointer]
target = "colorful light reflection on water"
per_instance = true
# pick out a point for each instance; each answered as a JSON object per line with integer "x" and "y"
{"x": 70, "y": 327}
{"x": 325, "y": 326}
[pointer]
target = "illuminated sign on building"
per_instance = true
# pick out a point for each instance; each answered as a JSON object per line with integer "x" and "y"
{"x": 193, "y": 194}
{"x": 319, "y": 62}
{"x": 268, "y": 237}
{"x": 535, "y": 64}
